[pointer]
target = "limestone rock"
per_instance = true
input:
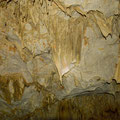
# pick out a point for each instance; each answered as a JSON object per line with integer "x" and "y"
{"x": 56, "y": 49}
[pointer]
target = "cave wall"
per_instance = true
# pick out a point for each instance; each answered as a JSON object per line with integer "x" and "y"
{"x": 55, "y": 49}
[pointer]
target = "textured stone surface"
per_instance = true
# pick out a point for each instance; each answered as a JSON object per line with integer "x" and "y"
{"x": 56, "y": 49}
{"x": 85, "y": 107}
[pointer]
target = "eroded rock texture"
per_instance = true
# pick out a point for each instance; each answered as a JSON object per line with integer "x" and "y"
{"x": 57, "y": 49}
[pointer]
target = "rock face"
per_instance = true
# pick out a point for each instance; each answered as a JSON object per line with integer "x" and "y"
{"x": 56, "y": 49}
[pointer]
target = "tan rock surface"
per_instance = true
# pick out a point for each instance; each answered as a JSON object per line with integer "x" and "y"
{"x": 53, "y": 49}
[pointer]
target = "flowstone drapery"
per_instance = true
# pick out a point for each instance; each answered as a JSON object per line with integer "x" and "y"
{"x": 55, "y": 49}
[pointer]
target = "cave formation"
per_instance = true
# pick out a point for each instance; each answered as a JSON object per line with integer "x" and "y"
{"x": 60, "y": 59}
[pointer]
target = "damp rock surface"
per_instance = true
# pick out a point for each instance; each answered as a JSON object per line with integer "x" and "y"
{"x": 51, "y": 50}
